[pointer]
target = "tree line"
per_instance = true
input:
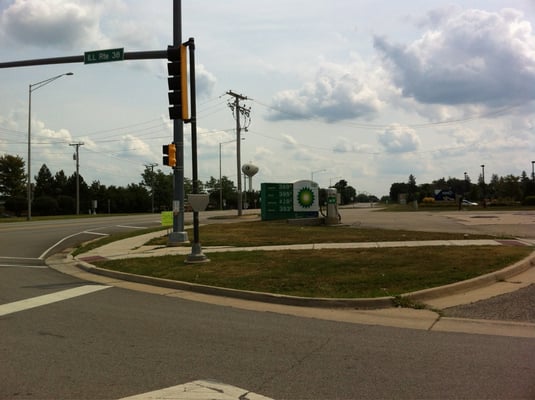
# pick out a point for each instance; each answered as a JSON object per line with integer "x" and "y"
{"x": 499, "y": 190}
{"x": 55, "y": 194}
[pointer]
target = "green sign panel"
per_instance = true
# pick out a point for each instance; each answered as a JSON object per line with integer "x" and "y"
{"x": 98, "y": 56}
{"x": 277, "y": 197}
{"x": 277, "y": 201}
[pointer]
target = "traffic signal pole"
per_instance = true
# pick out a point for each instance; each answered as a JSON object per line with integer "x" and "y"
{"x": 178, "y": 235}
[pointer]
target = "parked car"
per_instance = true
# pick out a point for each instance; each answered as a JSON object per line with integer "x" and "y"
{"x": 469, "y": 203}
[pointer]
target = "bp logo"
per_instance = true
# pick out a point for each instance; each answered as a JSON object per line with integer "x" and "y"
{"x": 305, "y": 197}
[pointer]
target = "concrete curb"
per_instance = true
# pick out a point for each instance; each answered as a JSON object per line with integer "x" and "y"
{"x": 361, "y": 303}
{"x": 474, "y": 283}
{"x": 365, "y": 303}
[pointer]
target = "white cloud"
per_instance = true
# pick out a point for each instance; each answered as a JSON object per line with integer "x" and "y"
{"x": 335, "y": 93}
{"x": 55, "y": 23}
{"x": 399, "y": 139}
{"x": 472, "y": 56}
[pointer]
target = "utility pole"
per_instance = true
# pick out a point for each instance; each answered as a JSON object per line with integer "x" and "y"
{"x": 238, "y": 110}
{"x": 151, "y": 166}
{"x": 76, "y": 157}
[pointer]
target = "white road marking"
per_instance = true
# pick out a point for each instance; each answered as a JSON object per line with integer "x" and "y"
{"x": 23, "y": 266}
{"x": 33, "y": 302}
{"x": 42, "y": 256}
{"x": 200, "y": 390}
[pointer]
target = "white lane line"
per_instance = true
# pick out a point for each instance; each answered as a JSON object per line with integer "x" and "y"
{"x": 131, "y": 227}
{"x": 42, "y": 256}
{"x": 199, "y": 390}
{"x": 33, "y": 302}
{"x": 23, "y": 266}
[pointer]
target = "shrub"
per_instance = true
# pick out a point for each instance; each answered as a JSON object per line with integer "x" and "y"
{"x": 66, "y": 205}
{"x": 45, "y": 205}
{"x": 16, "y": 205}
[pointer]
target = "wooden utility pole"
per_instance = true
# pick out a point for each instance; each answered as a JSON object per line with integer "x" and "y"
{"x": 238, "y": 110}
{"x": 77, "y": 159}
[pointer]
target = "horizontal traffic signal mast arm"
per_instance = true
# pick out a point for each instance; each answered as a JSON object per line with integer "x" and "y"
{"x": 132, "y": 55}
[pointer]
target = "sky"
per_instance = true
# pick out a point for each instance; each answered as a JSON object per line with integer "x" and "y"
{"x": 369, "y": 91}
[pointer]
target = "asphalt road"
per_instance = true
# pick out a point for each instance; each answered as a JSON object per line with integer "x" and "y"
{"x": 113, "y": 343}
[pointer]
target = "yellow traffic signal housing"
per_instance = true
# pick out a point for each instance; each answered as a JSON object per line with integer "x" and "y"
{"x": 177, "y": 82}
{"x": 169, "y": 154}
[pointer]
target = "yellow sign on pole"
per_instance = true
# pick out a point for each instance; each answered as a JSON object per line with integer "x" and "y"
{"x": 167, "y": 218}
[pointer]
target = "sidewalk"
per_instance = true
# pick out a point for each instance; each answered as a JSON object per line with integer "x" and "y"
{"x": 377, "y": 311}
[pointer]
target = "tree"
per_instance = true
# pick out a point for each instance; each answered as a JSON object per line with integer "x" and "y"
{"x": 44, "y": 182}
{"x": 45, "y": 205}
{"x": 527, "y": 185}
{"x": 348, "y": 195}
{"x": 412, "y": 188}
{"x": 70, "y": 190}
{"x": 509, "y": 187}
{"x": 60, "y": 183}
{"x": 163, "y": 188}
{"x": 396, "y": 189}
{"x": 98, "y": 192}
{"x": 12, "y": 177}
{"x": 138, "y": 198}
{"x": 16, "y": 204}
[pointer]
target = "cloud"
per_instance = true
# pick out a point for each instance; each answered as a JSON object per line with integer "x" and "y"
{"x": 343, "y": 145}
{"x": 289, "y": 141}
{"x": 336, "y": 93}
{"x": 470, "y": 56}
{"x": 399, "y": 139}
{"x": 205, "y": 81}
{"x": 52, "y": 23}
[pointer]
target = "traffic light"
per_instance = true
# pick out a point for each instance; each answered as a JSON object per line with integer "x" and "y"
{"x": 178, "y": 82}
{"x": 169, "y": 154}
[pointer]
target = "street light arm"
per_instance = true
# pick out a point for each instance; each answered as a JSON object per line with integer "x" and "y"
{"x": 35, "y": 86}
{"x": 31, "y": 88}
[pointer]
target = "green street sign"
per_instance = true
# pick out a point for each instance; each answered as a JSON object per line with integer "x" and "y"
{"x": 98, "y": 56}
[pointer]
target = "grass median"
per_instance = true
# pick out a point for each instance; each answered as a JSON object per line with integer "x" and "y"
{"x": 334, "y": 273}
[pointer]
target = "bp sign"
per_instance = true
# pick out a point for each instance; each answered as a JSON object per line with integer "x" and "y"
{"x": 289, "y": 200}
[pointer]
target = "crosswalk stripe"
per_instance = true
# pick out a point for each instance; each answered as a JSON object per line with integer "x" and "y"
{"x": 199, "y": 390}
{"x": 38, "y": 301}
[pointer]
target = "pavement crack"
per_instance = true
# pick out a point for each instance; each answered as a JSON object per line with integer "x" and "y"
{"x": 439, "y": 317}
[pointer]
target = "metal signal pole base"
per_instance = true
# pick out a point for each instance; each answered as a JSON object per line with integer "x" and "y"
{"x": 177, "y": 238}
{"x": 196, "y": 255}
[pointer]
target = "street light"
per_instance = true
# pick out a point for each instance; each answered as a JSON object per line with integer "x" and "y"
{"x": 483, "y": 181}
{"x": 313, "y": 172}
{"x": 533, "y": 171}
{"x": 32, "y": 87}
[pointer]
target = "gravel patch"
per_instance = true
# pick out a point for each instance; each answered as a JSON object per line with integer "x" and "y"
{"x": 517, "y": 306}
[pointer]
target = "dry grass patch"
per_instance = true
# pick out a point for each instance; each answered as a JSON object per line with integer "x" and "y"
{"x": 337, "y": 273}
